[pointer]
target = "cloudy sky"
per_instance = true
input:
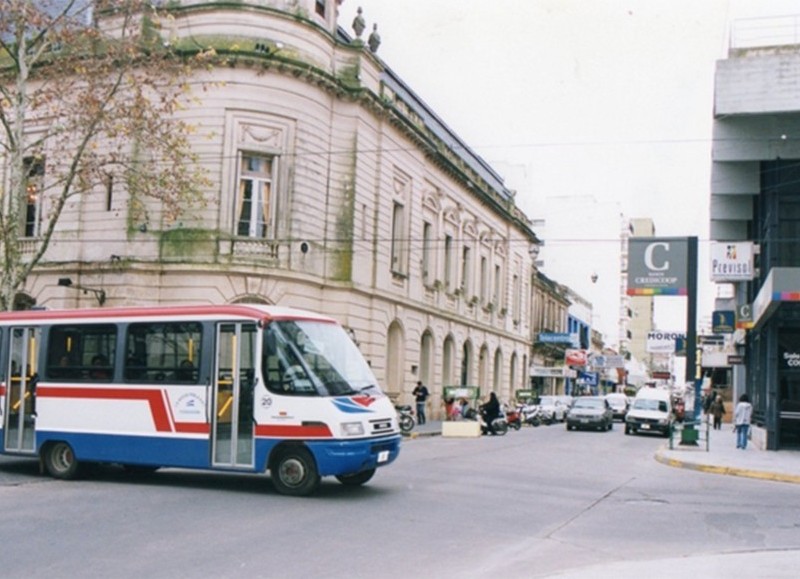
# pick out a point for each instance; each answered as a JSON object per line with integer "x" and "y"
{"x": 604, "y": 105}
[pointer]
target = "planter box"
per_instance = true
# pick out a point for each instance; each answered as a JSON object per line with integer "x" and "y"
{"x": 466, "y": 429}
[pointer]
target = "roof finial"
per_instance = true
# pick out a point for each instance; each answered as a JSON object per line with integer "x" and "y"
{"x": 374, "y": 40}
{"x": 359, "y": 24}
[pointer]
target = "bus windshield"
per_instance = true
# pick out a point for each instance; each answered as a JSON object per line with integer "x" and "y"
{"x": 310, "y": 358}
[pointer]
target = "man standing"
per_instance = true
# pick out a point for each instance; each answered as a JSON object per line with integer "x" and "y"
{"x": 421, "y": 395}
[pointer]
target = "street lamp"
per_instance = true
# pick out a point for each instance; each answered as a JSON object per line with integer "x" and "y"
{"x": 99, "y": 294}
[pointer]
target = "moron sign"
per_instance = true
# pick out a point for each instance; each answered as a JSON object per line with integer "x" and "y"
{"x": 658, "y": 266}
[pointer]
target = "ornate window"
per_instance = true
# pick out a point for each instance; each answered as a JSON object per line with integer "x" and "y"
{"x": 254, "y": 196}
{"x": 31, "y": 203}
{"x": 427, "y": 253}
{"x": 399, "y": 239}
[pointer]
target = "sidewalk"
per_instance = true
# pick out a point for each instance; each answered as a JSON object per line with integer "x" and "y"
{"x": 722, "y": 457}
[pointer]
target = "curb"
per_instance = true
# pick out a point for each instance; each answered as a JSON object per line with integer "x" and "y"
{"x": 414, "y": 435}
{"x": 728, "y": 470}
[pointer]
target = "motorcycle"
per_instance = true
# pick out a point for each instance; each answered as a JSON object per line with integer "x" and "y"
{"x": 514, "y": 417}
{"x": 405, "y": 418}
{"x": 531, "y": 414}
{"x": 499, "y": 424}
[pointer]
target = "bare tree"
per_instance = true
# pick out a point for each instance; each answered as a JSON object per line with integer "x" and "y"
{"x": 88, "y": 96}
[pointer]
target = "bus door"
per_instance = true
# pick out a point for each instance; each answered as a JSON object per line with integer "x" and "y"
{"x": 234, "y": 382}
{"x": 21, "y": 376}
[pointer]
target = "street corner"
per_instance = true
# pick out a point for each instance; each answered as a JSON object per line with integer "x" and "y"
{"x": 706, "y": 464}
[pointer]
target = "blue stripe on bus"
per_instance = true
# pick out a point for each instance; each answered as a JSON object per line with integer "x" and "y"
{"x": 332, "y": 456}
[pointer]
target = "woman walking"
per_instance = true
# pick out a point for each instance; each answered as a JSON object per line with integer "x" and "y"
{"x": 741, "y": 419}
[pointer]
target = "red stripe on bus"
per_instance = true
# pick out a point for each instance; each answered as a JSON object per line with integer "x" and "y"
{"x": 193, "y": 427}
{"x": 294, "y": 430}
{"x": 153, "y": 397}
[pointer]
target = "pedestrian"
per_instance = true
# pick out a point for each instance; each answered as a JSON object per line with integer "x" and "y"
{"x": 717, "y": 410}
{"x": 708, "y": 399}
{"x": 741, "y": 420}
{"x": 449, "y": 409}
{"x": 421, "y": 396}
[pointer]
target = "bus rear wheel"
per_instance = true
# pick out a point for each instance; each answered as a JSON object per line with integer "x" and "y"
{"x": 294, "y": 472}
{"x": 60, "y": 461}
{"x": 357, "y": 479}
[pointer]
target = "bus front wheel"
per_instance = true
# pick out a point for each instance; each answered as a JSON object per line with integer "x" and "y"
{"x": 294, "y": 472}
{"x": 60, "y": 461}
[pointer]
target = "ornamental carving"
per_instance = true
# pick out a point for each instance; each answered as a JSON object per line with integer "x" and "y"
{"x": 261, "y": 136}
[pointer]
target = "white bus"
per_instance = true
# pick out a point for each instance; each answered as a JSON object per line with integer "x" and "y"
{"x": 231, "y": 387}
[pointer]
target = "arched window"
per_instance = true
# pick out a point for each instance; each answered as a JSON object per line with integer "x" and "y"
{"x": 466, "y": 364}
{"x": 426, "y": 356}
{"x": 395, "y": 360}
{"x": 483, "y": 370}
{"x": 497, "y": 376}
{"x": 448, "y": 358}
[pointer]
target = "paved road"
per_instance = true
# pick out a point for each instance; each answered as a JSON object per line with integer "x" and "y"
{"x": 535, "y": 503}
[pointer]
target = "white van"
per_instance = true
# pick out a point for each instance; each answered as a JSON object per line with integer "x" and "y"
{"x": 651, "y": 411}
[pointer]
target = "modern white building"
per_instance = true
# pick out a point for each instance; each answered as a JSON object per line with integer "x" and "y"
{"x": 755, "y": 207}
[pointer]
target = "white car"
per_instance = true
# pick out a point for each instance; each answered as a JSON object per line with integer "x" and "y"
{"x": 552, "y": 406}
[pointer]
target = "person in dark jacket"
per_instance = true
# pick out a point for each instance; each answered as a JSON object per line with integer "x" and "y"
{"x": 717, "y": 410}
{"x": 490, "y": 410}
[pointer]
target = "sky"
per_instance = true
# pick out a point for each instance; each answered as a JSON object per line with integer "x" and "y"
{"x": 591, "y": 110}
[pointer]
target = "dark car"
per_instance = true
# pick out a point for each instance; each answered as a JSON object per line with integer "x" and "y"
{"x": 590, "y": 412}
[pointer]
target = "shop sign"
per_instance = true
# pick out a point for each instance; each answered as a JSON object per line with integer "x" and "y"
{"x": 790, "y": 360}
{"x": 662, "y": 342}
{"x": 732, "y": 261}
{"x": 658, "y": 266}
{"x": 723, "y": 321}
{"x": 576, "y": 358}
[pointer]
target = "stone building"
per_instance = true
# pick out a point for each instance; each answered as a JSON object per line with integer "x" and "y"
{"x": 335, "y": 189}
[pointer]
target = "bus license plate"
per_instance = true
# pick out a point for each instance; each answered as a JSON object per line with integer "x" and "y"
{"x": 383, "y": 456}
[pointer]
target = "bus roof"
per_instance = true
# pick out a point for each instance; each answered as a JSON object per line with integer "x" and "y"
{"x": 258, "y": 312}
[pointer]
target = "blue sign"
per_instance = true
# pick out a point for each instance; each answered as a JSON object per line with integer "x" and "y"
{"x": 723, "y": 322}
{"x": 555, "y": 338}
{"x": 588, "y": 378}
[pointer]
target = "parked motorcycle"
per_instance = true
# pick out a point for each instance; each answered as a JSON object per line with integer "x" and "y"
{"x": 531, "y": 414}
{"x": 514, "y": 417}
{"x": 405, "y": 418}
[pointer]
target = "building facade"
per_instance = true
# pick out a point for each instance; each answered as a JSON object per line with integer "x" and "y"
{"x": 755, "y": 196}
{"x": 551, "y": 337}
{"x": 335, "y": 188}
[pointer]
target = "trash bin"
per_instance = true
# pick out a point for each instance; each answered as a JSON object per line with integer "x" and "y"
{"x": 689, "y": 435}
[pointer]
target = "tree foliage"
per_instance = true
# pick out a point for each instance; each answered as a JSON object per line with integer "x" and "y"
{"x": 88, "y": 97}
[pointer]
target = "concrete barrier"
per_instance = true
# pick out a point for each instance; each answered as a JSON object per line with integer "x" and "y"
{"x": 466, "y": 429}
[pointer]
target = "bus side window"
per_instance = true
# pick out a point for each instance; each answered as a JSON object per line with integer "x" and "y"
{"x": 134, "y": 369}
{"x": 186, "y": 372}
{"x": 65, "y": 369}
{"x": 100, "y": 369}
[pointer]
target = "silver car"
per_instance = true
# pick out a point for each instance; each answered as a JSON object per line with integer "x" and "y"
{"x": 590, "y": 412}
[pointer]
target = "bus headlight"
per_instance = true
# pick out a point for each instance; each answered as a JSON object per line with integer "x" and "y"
{"x": 352, "y": 429}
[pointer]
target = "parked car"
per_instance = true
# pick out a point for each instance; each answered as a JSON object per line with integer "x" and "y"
{"x": 553, "y": 407}
{"x": 590, "y": 412}
{"x": 619, "y": 405}
{"x": 651, "y": 411}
